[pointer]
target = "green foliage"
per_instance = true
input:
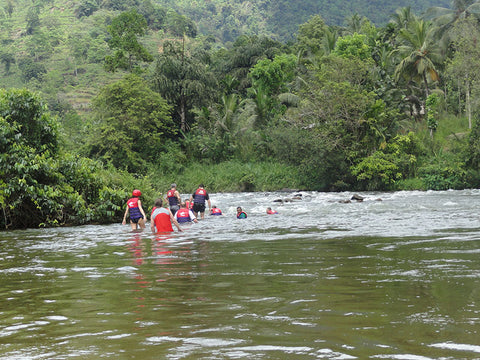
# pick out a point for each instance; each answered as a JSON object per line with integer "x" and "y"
{"x": 353, "y": 46}
{"x": 377, "y": 171}
{"x": 233, "y": 176}
{"x": 395, "y": 161}
{"x": 473, "y": 147}
{"x": 273, "y": 75}
{"x": 28, "y": 116}
{"x": 446, "y": 171}
{"x": 38, "y": 186}
{"x": 311, "y": 36}
{"x": 31, "y": 70}
{"x": 131, "y": 125}
{"x": 432, "y": 103}
{"x": 184, "y": 78}
{"x": 128, "y": 51}
{"x": 86, "y": 8}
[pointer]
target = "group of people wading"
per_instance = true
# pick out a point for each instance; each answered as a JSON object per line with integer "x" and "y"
{"x": 178, "y": 211}
{"x": 162, "y": 218}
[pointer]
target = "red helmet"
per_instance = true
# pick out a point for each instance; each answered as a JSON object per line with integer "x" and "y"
{"x": 136, "y": 192}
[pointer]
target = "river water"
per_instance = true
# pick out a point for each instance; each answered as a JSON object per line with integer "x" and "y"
{"x": 396, "y": 276}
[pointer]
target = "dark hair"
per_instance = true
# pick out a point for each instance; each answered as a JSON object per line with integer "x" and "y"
{"x": 159, "y": 202}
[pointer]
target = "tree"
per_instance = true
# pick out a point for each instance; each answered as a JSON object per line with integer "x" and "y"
{"x": 7, "y": 58}
{"x": 28, "y": 114}
{"x": 274, "y": 75}
{"x": 39, "y": 185}
{"x": 310, "y": 38}
{"x": 132, "y": 123}
{"x": 464, "y": 67}
{"x": 420, "y": 54}
{"x": 446, "y": 18}
{"x": 353, "y": 46}
{"x": 179, "y": 25}
{"x": 30, "y": 69}
{"x": 128, "y": 52}
{"x": 245, "y": 53}
{"x": 9, "y": 7}
{"x": 183, "y": 77}
{"x": 86, "y": 8}
{"x": 403, "y": 17}
{"x": 33, "y": 19}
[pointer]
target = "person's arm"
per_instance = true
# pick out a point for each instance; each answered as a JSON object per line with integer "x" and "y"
{"x": 192, "y": 216}
{"x": 152, "y": 222}
{"x": 175, "y": 222}
{"x": 209, "y": 205}
{"x": 177, "y": 194}
{"x": 125, "y": 216}
{"x": 141, "y": 210}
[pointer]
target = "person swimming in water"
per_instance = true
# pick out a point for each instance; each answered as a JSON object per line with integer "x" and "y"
{"x": 271, "y": 212}
{"x": 215, "y": 211}
{"x": 241, "y": 214}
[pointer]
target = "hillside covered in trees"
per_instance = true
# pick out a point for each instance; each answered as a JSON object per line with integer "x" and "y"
{"x": 227, "y": 19}
{"x": 100, "y": 97}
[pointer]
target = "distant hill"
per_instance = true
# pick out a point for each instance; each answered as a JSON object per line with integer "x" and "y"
{"x": 58, "y": 46}
{"x": 226, "y": 19}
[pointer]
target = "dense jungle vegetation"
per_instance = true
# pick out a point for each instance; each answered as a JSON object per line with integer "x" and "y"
{"x": 101, "y": 97}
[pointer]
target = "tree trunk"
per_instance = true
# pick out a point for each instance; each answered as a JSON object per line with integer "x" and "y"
{"x": 427, "y": 91}
{"x": 183, "y": 121}
{"x": 468, "y": 104}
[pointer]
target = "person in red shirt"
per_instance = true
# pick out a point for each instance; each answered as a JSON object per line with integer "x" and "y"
{"x": 162, "y": 219}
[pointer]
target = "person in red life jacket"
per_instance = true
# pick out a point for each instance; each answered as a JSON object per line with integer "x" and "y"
{"x": 241, "y": 214}
{"x": 271, "y": 212}
{"x": 162, "y": 218}
{"x": 135, "y": 211}
{"x": 184, "y": 215}
{"x": 173, "y": 197}
{"x": 199, "y": 197}
{"x": 215, "y": 211}
{"x": 189, "y": 204}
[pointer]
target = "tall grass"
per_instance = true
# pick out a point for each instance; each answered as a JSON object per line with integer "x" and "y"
{"x": 231, "y": 176}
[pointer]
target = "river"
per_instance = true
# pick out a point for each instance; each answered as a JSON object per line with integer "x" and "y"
{"x": 396, "y": 276}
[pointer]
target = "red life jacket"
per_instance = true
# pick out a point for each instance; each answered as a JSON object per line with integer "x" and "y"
{"x": 216, "y": 211}
{"x": 133, "y": 210}
{"x": 183, "y": 215}
{"x": 172, "y": 199}
{"x": 200, "y": 196}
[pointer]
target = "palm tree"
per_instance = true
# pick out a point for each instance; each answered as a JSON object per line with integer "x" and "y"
{"x": 403, "y": 17}
{"x": 420, "y": 54}
{"x": 445, "y": 18}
